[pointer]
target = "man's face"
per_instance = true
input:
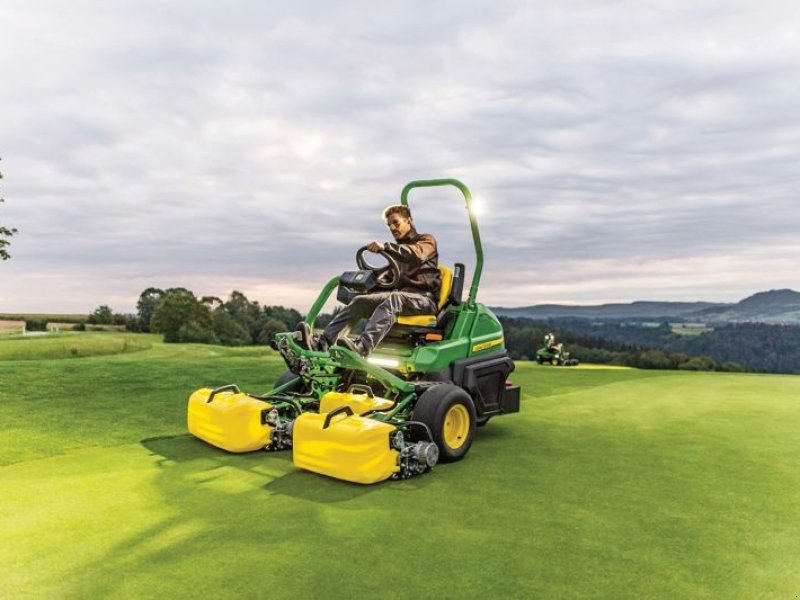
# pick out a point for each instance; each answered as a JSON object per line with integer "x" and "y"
{"x": 398, "y": 225}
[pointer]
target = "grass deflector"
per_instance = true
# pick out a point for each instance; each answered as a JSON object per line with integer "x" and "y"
{"x": 415, "y": 401}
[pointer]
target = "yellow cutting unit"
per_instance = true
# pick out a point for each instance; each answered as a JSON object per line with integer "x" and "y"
{"x": 341, "y": 443}
{"x": 229, "y": 419}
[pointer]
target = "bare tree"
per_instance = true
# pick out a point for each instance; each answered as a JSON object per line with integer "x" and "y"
{"x": 5, "y": 235}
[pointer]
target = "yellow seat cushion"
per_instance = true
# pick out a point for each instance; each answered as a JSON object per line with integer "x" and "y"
{"x": 444, "y": 292}
{"x": 417, "y": 320}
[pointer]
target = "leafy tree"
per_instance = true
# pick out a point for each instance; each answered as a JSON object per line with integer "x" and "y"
{"x": 103, "y": 315}
{"x": 146, "y": 306}
{"x": 269, "y": 329}
{"x": 5, "y": 235}
{"x": 228, "y": 330}
{"x": 698, "y": 363}
{"x": 288, "y": 315}
{"x": 180, "y": 316}
{"x": 212, "y": 302}
{"x": 275, "y": 319}
{"x": 244, "y": 312}
{"x": 193, "y": 332}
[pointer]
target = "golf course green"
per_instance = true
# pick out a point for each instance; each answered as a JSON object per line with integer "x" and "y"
{"x": 610, "y": 482}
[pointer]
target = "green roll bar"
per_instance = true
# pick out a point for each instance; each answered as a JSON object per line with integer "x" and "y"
{"x": 476, "y": 236}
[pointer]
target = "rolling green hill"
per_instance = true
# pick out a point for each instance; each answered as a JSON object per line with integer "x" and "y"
{"x": 610, "y": 482}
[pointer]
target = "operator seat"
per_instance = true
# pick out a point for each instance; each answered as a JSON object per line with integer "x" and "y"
{"x": 449, "y": 293}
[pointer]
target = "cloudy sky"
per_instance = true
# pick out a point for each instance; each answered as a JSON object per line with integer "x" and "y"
{"x": 620, "y": 150}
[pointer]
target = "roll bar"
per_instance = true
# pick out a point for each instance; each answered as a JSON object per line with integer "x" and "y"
{"x": 476, "y": 236}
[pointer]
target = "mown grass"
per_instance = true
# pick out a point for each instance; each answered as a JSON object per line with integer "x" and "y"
{"x": 613, "y": 483}
{"x": 71, "y": 345}
{"x": 691, "y": 331}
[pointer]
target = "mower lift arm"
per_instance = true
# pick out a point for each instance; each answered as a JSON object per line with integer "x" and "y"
{"x": 321, "y": 300}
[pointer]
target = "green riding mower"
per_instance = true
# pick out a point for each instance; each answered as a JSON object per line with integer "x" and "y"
{"x": 554, "y": 354}
{"x": 415, "y": 401}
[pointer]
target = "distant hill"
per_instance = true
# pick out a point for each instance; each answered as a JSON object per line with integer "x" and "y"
{"x": 776, "y": 307}
{"x": 773, "y": 307}
{"x": 633, "y": 310}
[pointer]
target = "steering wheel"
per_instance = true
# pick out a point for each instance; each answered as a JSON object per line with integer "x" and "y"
{"x": 388, "y": 276}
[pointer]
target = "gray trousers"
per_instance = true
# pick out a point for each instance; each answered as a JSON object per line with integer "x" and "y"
{"x": 382, "y": 310}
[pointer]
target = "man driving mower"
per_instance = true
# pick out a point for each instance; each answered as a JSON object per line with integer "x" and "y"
{"x": 415, "y": 293}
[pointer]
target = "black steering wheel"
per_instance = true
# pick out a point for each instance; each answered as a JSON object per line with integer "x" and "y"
{"x": 388, "y": 276}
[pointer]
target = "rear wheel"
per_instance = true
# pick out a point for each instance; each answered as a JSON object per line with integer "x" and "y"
{"x": 554, "y": 361}
{"x": 450, "y": 414}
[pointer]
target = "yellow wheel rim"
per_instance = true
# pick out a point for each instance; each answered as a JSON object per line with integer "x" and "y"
{"x": 456, "y": 426}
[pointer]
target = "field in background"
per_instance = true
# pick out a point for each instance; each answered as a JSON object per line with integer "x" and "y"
{"x": 44, "y": 317}
{"x": 72, "y": 345}
{"x": 691, "y": 331}
{"x": 609, "y": 483}
{"x": 11, "y": 327}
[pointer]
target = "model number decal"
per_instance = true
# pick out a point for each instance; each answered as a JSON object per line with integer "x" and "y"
{"x": 485, "y": 345}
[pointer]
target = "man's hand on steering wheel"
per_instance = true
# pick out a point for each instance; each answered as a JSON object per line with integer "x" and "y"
{"x": 389, "y": 275}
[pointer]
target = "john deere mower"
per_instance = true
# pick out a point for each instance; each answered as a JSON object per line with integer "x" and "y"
{"x": 415, "y": 401}
{"x": 554, "y": 354}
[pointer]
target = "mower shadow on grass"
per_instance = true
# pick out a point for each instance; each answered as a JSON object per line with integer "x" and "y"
{"x": 185, "y": 448}
{"x": 177, "y": 448}
{"x": 305, "y": 485}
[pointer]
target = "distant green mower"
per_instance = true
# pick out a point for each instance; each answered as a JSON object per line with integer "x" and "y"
{"x": 554, "y": 354}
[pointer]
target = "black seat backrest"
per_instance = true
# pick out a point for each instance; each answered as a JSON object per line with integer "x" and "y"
{"x": 457, "y": 287}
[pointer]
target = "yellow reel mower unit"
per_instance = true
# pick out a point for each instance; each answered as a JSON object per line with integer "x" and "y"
{"x": 231, "y": 420}
{"x": 346, "y": 446}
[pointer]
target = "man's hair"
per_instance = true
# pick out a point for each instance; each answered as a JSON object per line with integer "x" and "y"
{"x": 400, "y": 209}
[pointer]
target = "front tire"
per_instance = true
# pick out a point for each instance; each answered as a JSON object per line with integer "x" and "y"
{"x": 286, "y": 377}
{"x": 449, "y": 412}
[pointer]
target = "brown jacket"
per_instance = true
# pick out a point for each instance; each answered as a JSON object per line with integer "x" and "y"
{"x": 418, "y": 259}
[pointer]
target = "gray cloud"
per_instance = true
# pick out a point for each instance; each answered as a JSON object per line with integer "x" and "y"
{"x": 622, "y": 151}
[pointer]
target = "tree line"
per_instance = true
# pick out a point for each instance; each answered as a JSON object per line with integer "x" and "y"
{"x": 183, "y": 317}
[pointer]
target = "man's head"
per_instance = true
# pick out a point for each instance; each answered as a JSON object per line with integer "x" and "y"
{"x": 398, "y": 220}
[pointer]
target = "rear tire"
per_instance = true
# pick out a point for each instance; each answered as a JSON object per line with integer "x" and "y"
{"x": 449, "y": 412}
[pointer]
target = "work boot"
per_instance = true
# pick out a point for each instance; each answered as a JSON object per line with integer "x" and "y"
{"x": 303, "y": 334}
{"x": 322, "y": 343}
{"x": 353, "y": 345}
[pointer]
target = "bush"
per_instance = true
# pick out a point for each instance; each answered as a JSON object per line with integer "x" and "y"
{"x": 35, "y": 325}
{"x": 698, "y": 363}
{"x": 182, "y": 317}
{"x": 228, "y": 331}
{"x": 193, "y": 332}
{"x": 102, "y": 315}
{"x": 269, "y": 329}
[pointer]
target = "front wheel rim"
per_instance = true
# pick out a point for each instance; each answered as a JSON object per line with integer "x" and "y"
{"x": 456, "y": 426}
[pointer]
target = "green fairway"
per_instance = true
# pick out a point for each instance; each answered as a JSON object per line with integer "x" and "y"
{"x": 610, "y": 482}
